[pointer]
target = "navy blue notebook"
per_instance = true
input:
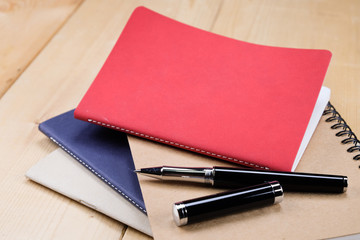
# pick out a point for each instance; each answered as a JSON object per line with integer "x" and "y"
{"x": 105, "y": 152}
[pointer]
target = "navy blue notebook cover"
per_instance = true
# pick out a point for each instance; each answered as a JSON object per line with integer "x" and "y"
{"x": 105, "y": 152}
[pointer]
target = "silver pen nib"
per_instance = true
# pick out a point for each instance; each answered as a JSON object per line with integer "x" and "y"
{"x": 204, "y": 175}
{"x": 155, "y": 172}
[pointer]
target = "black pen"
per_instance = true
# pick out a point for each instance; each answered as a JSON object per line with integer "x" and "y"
{"x": 239, "y": 177}
{"x": 198, "y": 209}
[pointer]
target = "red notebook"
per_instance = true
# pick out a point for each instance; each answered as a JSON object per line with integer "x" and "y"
{"x": 179, "y": 85}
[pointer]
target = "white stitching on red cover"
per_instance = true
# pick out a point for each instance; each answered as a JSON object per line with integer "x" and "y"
{"x": 175, "y": 144}
{"x": 97, "y": 174}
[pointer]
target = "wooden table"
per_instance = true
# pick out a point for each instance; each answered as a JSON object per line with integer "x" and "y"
{"x": 52, "y": 50}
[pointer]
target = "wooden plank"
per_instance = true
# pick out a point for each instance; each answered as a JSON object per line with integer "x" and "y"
{"x": 54, "y": 82}
{"x": 59, "y": 76}
{"x": 25, "y": 28}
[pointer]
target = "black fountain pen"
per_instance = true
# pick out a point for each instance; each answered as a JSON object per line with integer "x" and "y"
{"x": 239, "y": 177}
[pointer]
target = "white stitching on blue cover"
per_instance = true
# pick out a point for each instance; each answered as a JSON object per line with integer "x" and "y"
{"x": 97, "y": 174}
{"x": 176, "y": 144}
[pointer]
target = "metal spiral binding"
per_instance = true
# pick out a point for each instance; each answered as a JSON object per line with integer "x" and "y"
{"x": 346, "y": 130}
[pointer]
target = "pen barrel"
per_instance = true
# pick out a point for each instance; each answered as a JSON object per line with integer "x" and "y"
{"x": 198, "y": 209}
{"x": 290, "y": 181}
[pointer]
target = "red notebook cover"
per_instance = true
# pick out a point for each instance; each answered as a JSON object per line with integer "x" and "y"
{"x": 179, "y": 85}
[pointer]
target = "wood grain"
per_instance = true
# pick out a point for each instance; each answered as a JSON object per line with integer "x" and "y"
{"x": 55, "y": 57}
{"x": 25, "y": 28}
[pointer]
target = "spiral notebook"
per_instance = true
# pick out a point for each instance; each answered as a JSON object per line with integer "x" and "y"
{"x": 178, "y": 85}
{"x": 298, "y": 216}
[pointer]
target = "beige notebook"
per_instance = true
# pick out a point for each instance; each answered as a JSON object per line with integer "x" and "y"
{"x": 61, "y": 173}
{"x": 298, "y": 216}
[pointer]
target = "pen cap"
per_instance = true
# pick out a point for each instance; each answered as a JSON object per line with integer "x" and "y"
{"x": 201, "y": 208}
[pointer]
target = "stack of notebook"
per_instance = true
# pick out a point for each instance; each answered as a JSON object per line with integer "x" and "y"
{"x": 102, "y": 177}
{"x": 202, "y": 100}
